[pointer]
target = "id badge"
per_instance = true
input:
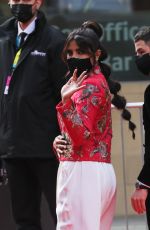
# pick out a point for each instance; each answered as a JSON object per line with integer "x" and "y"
{"x": 7, "y": 85}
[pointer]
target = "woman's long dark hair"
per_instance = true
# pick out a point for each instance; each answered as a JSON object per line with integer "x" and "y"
{"x": 88, "y": 38}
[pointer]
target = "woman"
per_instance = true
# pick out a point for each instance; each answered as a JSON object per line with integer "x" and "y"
{"x": 86, "y": 183}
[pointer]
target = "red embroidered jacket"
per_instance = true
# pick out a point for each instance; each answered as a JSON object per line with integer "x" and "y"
{"x": 85, "y": 122}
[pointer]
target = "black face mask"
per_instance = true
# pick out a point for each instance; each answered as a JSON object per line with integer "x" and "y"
{"x": 143, "y": 63}
{"x": 79, "y": 64}
{"x": 22, "y": 12}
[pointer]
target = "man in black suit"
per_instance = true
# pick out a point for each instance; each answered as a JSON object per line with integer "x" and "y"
{"x": 31, "y": 76}
{"x": 141, "y": 197}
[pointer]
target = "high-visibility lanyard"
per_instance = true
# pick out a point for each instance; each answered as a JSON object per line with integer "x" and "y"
{"x": 16, "y": 59}
{"x": 9, "y": 77}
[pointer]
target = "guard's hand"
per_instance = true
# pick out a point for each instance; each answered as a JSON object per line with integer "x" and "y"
{"x": 138, "y": 199}
{"x": 60, "y": 145}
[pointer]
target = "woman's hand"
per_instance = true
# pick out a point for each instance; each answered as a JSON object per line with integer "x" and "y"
{"x": 60, "y": 145}
{"x": 73, "y": 85}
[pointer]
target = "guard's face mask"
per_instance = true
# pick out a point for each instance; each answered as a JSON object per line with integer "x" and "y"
{"x": 22, "y": 12}
{"x": 143, "y": 63}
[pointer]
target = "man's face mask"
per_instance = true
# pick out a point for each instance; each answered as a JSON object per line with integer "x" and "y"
{"x": 143, "y": 63}
{"x": 79, "y": 64}
{"x": 22, "y": 12}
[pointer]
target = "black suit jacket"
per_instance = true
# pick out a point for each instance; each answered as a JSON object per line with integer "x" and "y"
{"x": 28, "y": 121}
{"x": 144, "y": 175}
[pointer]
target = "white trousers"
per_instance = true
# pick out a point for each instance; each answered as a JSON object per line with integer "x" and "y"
{"x": 86, "y": 196}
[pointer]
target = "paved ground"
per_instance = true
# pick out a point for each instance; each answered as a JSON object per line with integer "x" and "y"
{"x": 133, "y": 223}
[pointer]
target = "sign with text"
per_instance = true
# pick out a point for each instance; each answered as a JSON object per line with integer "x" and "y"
{"x": 119, "y": 31}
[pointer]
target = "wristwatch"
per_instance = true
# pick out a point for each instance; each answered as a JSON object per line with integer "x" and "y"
{"x": 139, "y": 185}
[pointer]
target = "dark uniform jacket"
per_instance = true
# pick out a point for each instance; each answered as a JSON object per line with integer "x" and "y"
{"x": 144, "y": 175}
{"x": 28, "y": 122}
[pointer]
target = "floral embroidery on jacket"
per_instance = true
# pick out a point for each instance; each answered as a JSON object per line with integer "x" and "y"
{"x": 90, "y": 89}
{"x": 95, "y": 101}
{"x": 103, "y": 149}
{"x": 101, "y": 124}
{"x": 73, "y": 116}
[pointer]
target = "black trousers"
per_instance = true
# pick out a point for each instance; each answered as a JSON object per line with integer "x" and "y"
{"x": 148, "y": 209}
{"x": 28, "y": 179}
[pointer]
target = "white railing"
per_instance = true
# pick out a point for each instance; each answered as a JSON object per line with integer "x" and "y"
{"x": 133, "y": 105}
